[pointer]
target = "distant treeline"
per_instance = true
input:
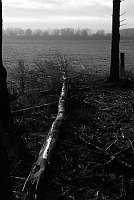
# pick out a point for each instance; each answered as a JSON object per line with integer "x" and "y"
{"x": 65, "y": 33}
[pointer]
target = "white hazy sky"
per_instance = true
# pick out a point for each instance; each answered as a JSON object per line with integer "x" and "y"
{"x": 44, "y": 14}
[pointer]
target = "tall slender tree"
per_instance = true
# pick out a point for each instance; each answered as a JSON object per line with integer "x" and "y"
{"x": 5, "y": 113}
{"x": 114, "y": 68}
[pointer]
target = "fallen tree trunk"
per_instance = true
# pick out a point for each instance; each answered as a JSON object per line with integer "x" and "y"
{"x": 39, "y": 169}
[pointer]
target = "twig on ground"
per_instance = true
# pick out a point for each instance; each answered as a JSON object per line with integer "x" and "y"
{"x": 19, "y": 112}
{"x": 111, "y": 145}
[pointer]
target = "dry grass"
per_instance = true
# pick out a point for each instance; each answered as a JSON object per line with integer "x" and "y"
{"x": 94, "y": 157}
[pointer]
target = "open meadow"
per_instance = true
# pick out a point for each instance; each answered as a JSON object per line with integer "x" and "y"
{"x": 94, "y": 54}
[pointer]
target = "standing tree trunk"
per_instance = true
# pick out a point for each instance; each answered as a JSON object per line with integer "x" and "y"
{"x": 5, "y": 116}
{"x": 114, "y": 69}
{"x": 5, "y": 182}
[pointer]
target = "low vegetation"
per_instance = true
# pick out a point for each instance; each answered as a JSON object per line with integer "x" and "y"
{"x": 94, "y": 153}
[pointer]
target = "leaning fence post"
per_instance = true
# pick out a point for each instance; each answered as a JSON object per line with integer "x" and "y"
{"x": 122, "y": 63}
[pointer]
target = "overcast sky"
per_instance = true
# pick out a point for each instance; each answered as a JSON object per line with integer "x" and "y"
{"x": 44, "y": 14}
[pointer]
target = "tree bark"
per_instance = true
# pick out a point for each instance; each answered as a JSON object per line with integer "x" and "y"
{"x": 114, "y": 69}
{"x": 5, "y": 182}
{"x": 37, "y": 175}
{"x": 5, "y": 116}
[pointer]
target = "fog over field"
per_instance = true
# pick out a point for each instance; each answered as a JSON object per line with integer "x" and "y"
{"x": 57, "y": 15}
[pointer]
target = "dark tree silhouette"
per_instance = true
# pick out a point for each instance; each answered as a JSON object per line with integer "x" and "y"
{"x": 114, "y": 69}
{"x": 5, "y": 113}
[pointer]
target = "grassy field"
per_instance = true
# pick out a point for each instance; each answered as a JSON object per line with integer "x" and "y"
{"x": 93, "y": 53}
{"x": 94, "y": 158}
